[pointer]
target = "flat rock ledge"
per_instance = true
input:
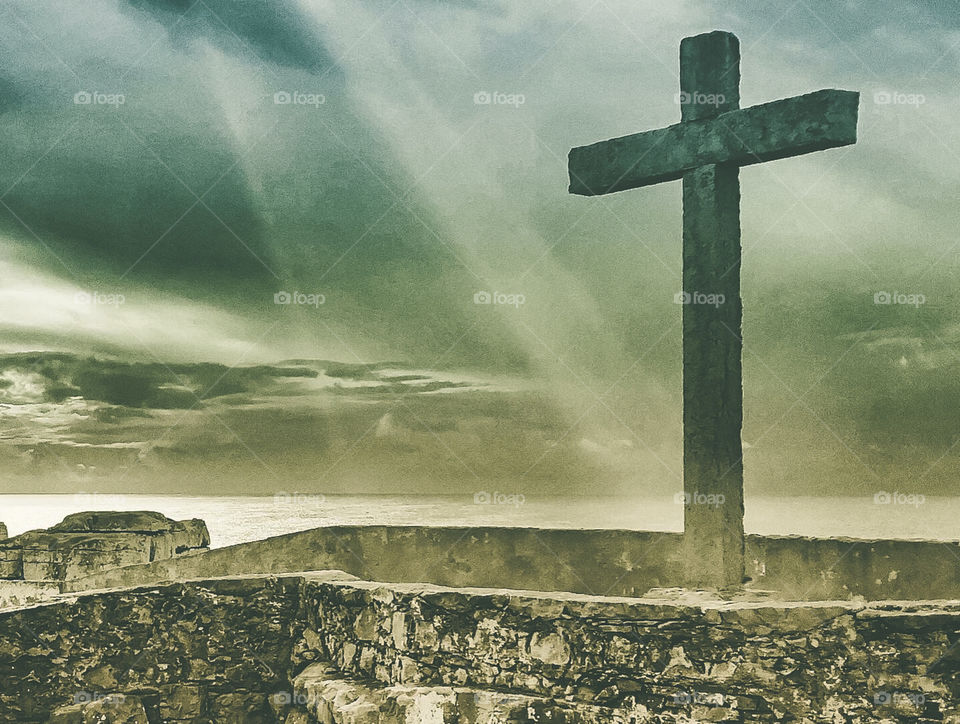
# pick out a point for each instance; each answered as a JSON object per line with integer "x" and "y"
{"x": 322, "y": 694}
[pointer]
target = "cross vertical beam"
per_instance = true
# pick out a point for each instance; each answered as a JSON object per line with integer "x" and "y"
{"x": 706, "y": 149}
{"x": 712, "y": 349}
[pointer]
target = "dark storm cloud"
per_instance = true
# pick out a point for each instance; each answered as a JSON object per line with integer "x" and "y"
{"x": 199, "y": 184}
{"x": 276, "y": 32}
{"x": 320, "y": 425}
{"x": 119, "y": 184}
{"x": 100, "y": 184}
{"x": 400, "y": 197}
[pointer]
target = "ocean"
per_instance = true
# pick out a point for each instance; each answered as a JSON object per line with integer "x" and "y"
{"x": 238, "y": 519}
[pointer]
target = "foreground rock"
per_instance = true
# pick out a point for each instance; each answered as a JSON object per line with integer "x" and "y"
{"x": 91, "y": 542}
{"x": 115, "y": 708}
{"x": 321, "y": 695}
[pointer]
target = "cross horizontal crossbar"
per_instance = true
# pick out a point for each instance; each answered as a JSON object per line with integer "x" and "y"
{"x": 766, "y": 132}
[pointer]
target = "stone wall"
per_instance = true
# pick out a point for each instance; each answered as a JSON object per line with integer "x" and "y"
{"x": 93, "y": 542}
{"x": 706, "y": 659}
{"x": 597, "y": 562}
{"x": 319, "y": 647}
{"x": 24, "y": 593}
{"x": 205, "y": 651}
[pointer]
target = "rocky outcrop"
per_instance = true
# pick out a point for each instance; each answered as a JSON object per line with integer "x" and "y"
{"x": 3, "y": 531}
{"x": 91, "y": 542}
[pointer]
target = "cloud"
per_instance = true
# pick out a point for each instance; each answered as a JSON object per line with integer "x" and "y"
{"x": 403, "y": 194}
{"x": 118, "y": 426}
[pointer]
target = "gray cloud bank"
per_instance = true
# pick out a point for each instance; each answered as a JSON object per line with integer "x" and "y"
{"x": 399, "y": 197}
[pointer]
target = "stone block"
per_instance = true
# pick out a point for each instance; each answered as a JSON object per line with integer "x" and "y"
{"x": 550, "y": 648}
{"x": 113, "y": 708}
{"x": 182, "y": 701}
{"x": 241, "y": 708}
{"x": 11, "y": 562}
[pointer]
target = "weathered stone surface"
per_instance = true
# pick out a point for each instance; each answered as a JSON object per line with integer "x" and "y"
{"x": 241, "y": 708}
{"x": 712, "y": 387}
{"x": 59, "y": 556}
{"x": 3, "y": 531}
{"x": 131, "y": 521}
{"x": 97, "y": 541}
{"x": 269, "y": 649}
{"x": 183, "y": 536}
{"x": 220, "y": 647}
{"x": 182, "y": 702}
{"x": 113, "y": 708}
{"x": 779, "y": 129}
{"x": 550, "y": 648}
{"x": 676, "y": 658}
{"x": 23, "y": 593}
{"x": 624, "y": 563}
{"x": 11, "y": 562}
{"x": 326, "y": 698}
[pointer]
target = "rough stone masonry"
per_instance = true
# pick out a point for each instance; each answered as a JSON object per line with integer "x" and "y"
{"x": 320, "y": 647}
{"x": 34, "y": 565}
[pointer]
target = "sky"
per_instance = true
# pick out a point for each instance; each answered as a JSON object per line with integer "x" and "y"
{"x": 241, "y": 245}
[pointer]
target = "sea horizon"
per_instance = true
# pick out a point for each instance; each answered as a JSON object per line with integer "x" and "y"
{"x": 233, "y": 519}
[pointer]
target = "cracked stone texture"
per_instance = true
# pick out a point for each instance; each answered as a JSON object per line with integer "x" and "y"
{"x": 766, "y": 132}
{"x": 658, "y": 659}
{"x": 92, "y": 542}
{"x": 618, "y": 562}
{"x": 257, "y": 648}
{"x": 114, "y": 709}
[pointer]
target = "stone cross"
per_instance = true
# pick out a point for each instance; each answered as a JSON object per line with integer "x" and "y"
{"x": 706, "y": 149}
